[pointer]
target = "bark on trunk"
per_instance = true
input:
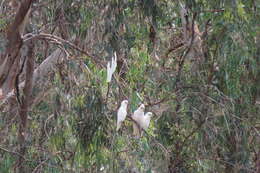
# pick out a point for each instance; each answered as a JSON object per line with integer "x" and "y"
{"x": 24, "y": 107}
{"x": 11, "y": 58}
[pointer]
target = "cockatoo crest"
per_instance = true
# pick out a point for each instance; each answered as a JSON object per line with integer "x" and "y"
{"x": 111, "y": 68}
{"x": 137, "y": 117}
{"x": 121, "y": 114}
{"x": 142, "y": 107}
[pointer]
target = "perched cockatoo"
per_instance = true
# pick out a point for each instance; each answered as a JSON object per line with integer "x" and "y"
{"x": 138, "y": 115}
{"x": 145, "y": 121}
{"x": 111, "y": 68}
{"x": 121, "y": 114}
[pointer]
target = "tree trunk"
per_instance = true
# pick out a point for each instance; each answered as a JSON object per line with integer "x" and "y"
{"x": 23, "y": 109}
{"x": 9, "y": 62}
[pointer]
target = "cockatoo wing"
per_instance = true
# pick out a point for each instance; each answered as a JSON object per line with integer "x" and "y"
{"x": 145, "y": 123}
{"x": 121, "y": 114}
{"x": 114, "y": 63}
{"x": 147, "y": 119}
{"x": 111, "y": 68}
{"x": 118, "y": 125}
{"x": 137, "y": 117}
{"x": 109, "y": 74}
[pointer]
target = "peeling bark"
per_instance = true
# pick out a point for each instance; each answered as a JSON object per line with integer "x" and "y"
{"x": 39, "y": 79}
{"x": 24, "y": 107}
{"x": 11, "y": 57}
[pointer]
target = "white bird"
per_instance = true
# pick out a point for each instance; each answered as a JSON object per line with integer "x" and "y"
{"x": 121, "y": 114}
{"x": 145, "y": 121}
{"x": 111, "y": 68}
{"x": 137, "y": 117}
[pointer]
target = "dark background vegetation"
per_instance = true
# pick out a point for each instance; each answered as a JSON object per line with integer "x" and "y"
{"x": 193, "y": 63}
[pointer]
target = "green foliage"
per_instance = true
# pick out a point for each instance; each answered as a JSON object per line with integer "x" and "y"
{"x": 7, "y": 160}
{"x": 205, "y": 121}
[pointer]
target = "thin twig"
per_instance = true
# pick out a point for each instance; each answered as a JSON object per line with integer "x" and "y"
{"x": 188, "y": 49}
{"x": 12, "y": 152}
{"x": 44, "y": 162}
{"x": 166, "y": 98}
{"x": 45, "y": 125}
{"x": 57, "y": 40}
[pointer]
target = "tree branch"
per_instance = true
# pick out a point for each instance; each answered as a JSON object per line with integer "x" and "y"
{"x": 10, "y": 59}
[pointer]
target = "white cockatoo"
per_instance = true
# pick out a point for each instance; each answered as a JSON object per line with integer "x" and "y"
{"x": 121, "y": 114}
{"x": 137, "y": 116}
{"x": 145, "y": 121}
{"x": 111, "y": 68}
